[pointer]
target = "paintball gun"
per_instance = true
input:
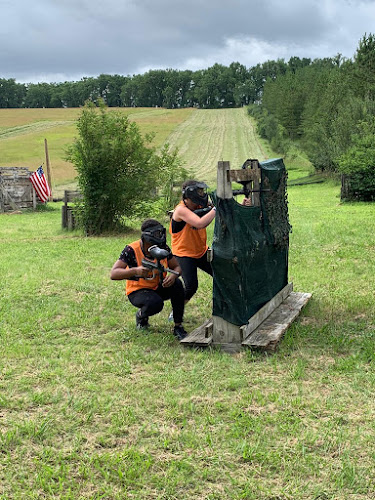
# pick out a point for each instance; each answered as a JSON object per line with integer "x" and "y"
{"x": 202, "y": 211}
{"x": 158, "y": 254}
{"x": 252, "y": 185}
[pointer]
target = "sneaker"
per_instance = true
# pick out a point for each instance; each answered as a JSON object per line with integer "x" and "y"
{"x": 179, "y": 332}
{"x": 170, "y": 317}
{"x": 141, "y": 323}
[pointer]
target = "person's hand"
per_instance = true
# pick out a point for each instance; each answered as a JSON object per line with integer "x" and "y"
{"x": 142, "y": 272}
{"x": 246, "y": 202}
{"x": 169, "y": 280}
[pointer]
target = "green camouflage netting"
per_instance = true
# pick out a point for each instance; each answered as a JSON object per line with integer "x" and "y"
{"x": 250, "y": 248}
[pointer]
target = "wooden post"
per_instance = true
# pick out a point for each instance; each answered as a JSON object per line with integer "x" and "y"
{"x": 223, "y": 332}
{"x": 48, "y": 167}
{"x": 226, "y": 334}
{"x": 256, "y": 183}
{"x": 224, "y": 185}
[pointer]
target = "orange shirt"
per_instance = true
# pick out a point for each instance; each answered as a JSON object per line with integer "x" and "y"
{"x": 189, "y": 242}
{"x": 150, "y": 283}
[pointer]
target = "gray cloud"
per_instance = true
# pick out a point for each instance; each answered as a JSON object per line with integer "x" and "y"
{"x": 50, "y": 40}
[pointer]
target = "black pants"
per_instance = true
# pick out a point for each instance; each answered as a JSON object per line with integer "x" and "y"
{"x": 151, "y": 302}
{"x": 189, "y": 267}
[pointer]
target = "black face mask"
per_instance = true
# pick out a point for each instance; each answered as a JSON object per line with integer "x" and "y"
{"x": 197, "y": 193}
{"x": 155, "y": 235}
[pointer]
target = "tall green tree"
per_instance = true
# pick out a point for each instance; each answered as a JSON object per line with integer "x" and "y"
{"x": 12, "y": 94}
{"x": 38, "y": 95}
{"x": 365, "y": 66}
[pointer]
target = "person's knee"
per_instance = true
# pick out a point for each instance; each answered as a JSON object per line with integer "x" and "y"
{"x": 178, "y": 286}
{"x": 190, "y": 289}
{"x": 154, "y": 307}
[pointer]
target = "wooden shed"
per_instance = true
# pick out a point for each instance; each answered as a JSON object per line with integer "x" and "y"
{"x": 16, "y": 190}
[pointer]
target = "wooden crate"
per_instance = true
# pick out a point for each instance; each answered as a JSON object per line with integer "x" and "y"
{"x": 16, "y": 190}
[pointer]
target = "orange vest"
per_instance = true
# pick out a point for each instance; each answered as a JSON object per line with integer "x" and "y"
{"x": 154, "y": 280}
{"x": 189, "y": 242}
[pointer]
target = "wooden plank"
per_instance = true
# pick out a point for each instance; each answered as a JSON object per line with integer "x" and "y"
{"x": 266, "y": 310}
{"x": 201, "y": 336}
{"x": 255, "y": 197}
{"x": 70, "y": 196}
{"x": 64, "y": 216}
{"x": 71, "y": 221}
{"x": 224, "y": 186}
{"x": 9, "y": 199}
{"x": 225, "y": 332}
{"x": 15, "y": 172}
{"x": 268, "y": 334}
{"x": 243, "y": 175}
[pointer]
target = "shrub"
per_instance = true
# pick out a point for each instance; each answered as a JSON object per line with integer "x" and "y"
{"x": 116, "y": 169}
{"x": 358, "y": 164}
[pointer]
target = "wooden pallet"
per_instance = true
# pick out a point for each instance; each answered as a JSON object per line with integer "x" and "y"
{"x": 201, "y": 336}
{"x": 267, "y": 335}
{"x": 263, "y": 330}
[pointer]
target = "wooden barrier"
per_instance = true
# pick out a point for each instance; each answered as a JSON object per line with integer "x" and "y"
{"x": 267, "y": 326}
{"x": 68, "y": 219}
{"x": 16, "y": 190}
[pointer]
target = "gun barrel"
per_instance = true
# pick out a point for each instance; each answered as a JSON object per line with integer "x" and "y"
{"x": 236, "y": 192}
{"x": 202, "y": 211}
{"x": 171, "y": 271}
{"x": 154, "y": 265}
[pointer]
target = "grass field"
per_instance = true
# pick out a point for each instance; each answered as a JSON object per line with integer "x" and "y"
{"x": 22, "y": 134}
{"x": 90, "y": 408}
{"x": 227, "y": 134}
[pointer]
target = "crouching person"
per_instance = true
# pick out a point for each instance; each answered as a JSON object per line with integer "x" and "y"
{"x": 147, "y": 287}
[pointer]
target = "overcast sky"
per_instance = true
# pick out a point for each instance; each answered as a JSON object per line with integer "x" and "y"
{"x": 59, "y": 40}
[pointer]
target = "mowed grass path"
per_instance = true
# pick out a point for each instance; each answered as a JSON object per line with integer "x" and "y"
{"x": 209, "y": 136}
{"x": 203, "y": 137}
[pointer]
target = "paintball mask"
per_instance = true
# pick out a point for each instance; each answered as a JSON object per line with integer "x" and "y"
{"x": 197, "y": 193}
{"x": 155, "y": 235}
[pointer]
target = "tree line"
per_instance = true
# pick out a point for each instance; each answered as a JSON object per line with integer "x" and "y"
{"x": 216, "y": 87}
{"x": 327, "y": 108}
{"x": 324, "y": 106}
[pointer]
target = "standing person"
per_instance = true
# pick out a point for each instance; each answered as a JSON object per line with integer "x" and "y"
{"x": 188, "y": 233}
{"x": 146, "y": 289}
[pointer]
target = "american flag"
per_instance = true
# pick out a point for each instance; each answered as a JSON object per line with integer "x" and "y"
{"x": 40, "y": 184}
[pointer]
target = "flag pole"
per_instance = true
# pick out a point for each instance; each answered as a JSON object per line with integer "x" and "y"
{"x": 48, "y": 168}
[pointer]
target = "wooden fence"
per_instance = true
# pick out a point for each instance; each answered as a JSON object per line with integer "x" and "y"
{"x": 68, "y": 219}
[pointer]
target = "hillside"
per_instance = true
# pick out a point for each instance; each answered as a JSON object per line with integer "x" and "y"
{"x": 203, "y": 137}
